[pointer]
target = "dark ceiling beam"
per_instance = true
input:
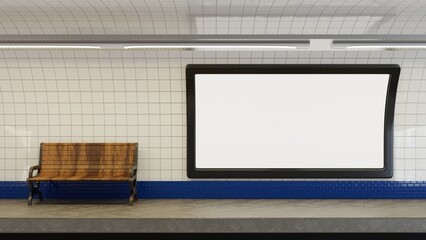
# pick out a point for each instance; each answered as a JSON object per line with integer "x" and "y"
{"x": 158, "y": 39}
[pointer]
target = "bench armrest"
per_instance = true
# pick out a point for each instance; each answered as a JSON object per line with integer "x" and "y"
{"x": 133, "y": 171}
{"x": 32, "y": 169}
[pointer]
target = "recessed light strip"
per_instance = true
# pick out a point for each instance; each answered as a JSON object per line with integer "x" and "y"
{"x": 48, "y": 47}
{"x": 160, "y": 47}
{"x": 396, "y": 47}
{"x": 207, "y": 47}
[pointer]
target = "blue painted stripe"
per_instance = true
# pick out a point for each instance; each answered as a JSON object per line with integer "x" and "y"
{"x": 225, "y": 190}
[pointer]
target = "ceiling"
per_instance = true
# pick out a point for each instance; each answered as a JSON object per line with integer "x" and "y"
{"x": 217, "y": 17}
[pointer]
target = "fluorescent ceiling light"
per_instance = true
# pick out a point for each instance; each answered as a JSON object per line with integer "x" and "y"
{"x": 388, "y": 47}
{"x": 159, "y": 47}
{"x": 48, "y": 47}
{"x": 211, "y": 47}
{"x": 273, "y": 47}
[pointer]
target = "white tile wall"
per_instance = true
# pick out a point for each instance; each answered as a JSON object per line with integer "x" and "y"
{"x": 120, "y": 96}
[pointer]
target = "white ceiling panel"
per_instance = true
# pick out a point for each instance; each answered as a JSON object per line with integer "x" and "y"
{"x": 212, "y": 17}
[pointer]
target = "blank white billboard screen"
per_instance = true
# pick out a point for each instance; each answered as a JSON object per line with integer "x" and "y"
{"x": 300, "y": 121}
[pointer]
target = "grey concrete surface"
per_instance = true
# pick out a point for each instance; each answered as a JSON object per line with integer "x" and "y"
{"x": 214, "y": 216}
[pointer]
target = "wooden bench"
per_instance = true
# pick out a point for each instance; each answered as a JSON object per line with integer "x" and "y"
{"x": 85, "y": 162}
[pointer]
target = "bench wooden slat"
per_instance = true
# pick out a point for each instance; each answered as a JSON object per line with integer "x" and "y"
{"x": 86, "y": 167}
{"x": 84, "y": 163}
{"x": 64, "y": 175}
{"x": 106, "y": 170}
{"x": 87, "y": 144}
{"x": 50, "y": 170}
{"x": 116, "y": 159}
{"x": 82, "y": 178}
{"x": 86, "y": 147}
{"x": 61, "y": 156}
{"x": 83, "y": 152}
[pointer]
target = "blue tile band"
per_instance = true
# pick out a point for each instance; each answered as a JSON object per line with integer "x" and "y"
{"x": 225, "y": 190}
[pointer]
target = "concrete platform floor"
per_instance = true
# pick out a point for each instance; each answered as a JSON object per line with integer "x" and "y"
{"x": 214, "y": 216}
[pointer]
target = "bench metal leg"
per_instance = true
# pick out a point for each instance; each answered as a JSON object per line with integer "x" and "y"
{"x": 34, "y": 189}
{"x": 133, "y": 192}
